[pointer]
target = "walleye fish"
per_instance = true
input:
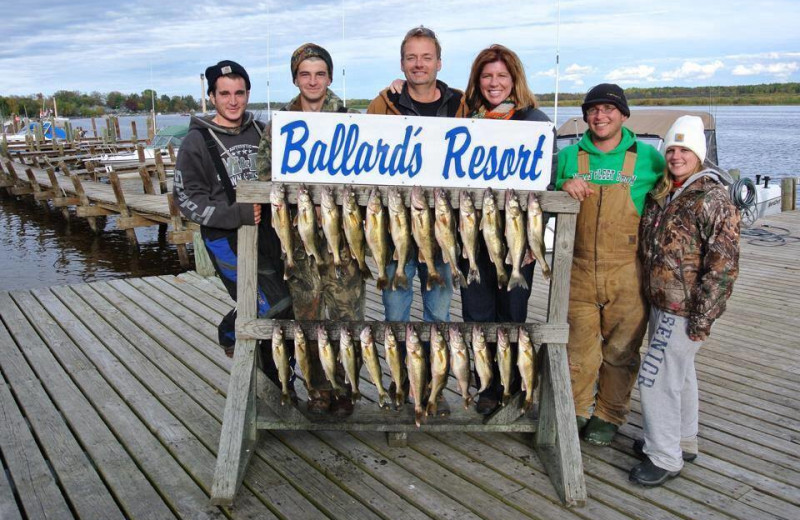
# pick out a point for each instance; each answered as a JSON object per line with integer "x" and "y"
{"x": 307, "y": 224}
{"x": 401, "y": 237}
{"x": 378, "y": 236}
{"x": 370, "y": 355}
{"x": 536, "y": 233}
{"x": 468, "y": 230}
{"x": 349, "y": 359}
{"x": 459, "y": 361}
{"x": 327, "y": 357}
{"x": 444, "y": 229}
{"x": 439, "y": 368}
{"x": 282, "y": 224}
{"x": 515, "y": 239}
{"x": 281, "y": 359}
{"x": 354, "y": 230}
{"x": 526, "y": 363}
{"x": 396, "y": 368}
{"x": 492, "y": 236}
{"x": 483, "y": 358}
{"x": 504, "y": 363}
{"x": 331, "y": 224}
{"x": 422, "y": 229}
{"x": 302, "y": 357}
{"x": 417, "y": 369}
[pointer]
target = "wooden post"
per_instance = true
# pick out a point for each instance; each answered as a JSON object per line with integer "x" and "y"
{"x": 160, "y": 171}
{"x": 134, "y": 137}
{"x": 178, "y": 235}
{"x": 239, "y": 433}
{"x": 4, "y": 146}
{"x": 124, "y": 211}
{"x": 84, "y": 202}
{"x": 94, "y": 128}
{"x": 202, "y": 262}
{"x": 60, "y": 200}
{"x": 788, "y": 193}
{"x": 171, "y": 150}
{"x": 140, "y": 154}
{"x": 147, "y": 182}
{"x": 38, "y": 193}
{"x": 117, "y": 133}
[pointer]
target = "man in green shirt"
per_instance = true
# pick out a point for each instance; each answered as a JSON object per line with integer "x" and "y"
{"x": 610, "y": 173}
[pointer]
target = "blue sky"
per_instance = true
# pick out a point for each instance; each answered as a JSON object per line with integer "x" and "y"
{"x": 92, "y": 45}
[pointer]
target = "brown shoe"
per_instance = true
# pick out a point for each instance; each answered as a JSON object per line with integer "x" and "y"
{"x": 321, "y": 404}
{"x": 342, "y": 406}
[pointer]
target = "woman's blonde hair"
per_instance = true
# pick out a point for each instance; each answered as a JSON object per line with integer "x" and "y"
{"x": 521, "y": 94}
{"x": 664, "y": 184}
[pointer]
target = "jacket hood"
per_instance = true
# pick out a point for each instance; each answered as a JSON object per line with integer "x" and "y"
{"x": 628, "y": 138}
{"x": 208, "y": 122}
{"x": 404, "y": 98}
{"x": 708, "y": 173}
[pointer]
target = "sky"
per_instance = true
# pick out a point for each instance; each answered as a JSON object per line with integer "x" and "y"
{"x": 96, "y": 45}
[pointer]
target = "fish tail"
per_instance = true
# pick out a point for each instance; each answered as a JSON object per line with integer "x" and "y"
{"x": 382, "y": 282}
{"x": 356, "y": 396}
{"x": 434, "y": 278}
{"x": 418, "y": 416}
{"x": 400, "y": 280}
{"x": 502, "y": 279}
{"x": 458, "y": 277}
{"x": 546, "y": 271}
{"x": 432, "y": 407}
{"x": 366, "y": 274}
{"x": 473, "y": 276}
{"x": 517, "y": 280}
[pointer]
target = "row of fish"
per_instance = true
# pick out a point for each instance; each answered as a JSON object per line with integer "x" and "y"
{"x": 516, "y": 239}
{"x": 426, "y": 378}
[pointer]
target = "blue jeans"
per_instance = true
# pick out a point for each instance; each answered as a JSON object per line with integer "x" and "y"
{"x": 435, "y": 303}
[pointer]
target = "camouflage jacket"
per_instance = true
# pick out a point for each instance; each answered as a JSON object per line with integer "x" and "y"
{"x": 689, "y": 246}
{"x": 333, "y": 103}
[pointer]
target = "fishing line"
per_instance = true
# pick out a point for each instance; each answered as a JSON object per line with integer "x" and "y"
{"x": 764, "y": 238}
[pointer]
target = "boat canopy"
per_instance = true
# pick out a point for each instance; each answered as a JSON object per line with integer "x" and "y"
{"x": 650, "y": 125}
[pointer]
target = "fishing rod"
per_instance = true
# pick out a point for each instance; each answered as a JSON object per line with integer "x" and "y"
{"x": 558, "y": 41}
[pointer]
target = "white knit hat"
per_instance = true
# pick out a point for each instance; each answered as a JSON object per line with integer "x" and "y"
{"x": 687, "y": 132}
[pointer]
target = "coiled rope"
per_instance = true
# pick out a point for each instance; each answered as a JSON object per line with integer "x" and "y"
{"x": 744, "y": 196}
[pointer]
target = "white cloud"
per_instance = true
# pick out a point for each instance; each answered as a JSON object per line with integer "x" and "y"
{"x": 779, "y": 70}
{"x": 693, "y": 70}
{"x": 632, "y": 74}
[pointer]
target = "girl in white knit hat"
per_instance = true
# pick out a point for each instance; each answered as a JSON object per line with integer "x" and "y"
{"x": 689, "y": 246}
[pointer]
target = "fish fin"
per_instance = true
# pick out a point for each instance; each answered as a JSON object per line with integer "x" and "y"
{"x": 508, "y": 259}
{"x": 528, "y": 258}
{"x": 517, "y": 280}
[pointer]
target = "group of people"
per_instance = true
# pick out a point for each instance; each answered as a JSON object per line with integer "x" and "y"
{"x": 680, "y": 262}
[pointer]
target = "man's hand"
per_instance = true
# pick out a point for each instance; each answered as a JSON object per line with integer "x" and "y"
{"x": 578, "y": 189}
{"x": 257, "y": 213}
{"x": 699, "y": 336}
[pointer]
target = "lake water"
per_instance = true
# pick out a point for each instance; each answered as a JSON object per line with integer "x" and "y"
{"x": 39, "y": 248}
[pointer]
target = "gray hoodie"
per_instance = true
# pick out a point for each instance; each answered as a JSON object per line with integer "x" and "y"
{"x": 198, "y": 189}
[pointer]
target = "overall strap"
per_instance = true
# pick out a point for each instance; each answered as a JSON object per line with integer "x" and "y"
{"x": 629, "y": 164}
{"x": 583, "y": 162}
{"x": 222, "y": 172}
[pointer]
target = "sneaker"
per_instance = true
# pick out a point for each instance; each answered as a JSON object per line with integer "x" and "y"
{"x": 321, "y": 404}
{"x": 342, "y": 406}
{"x": 638, "y": 449}
{"x": 648, "y": 474}
{"x": 486, "y": 405}
{"x": 599, "y": 432}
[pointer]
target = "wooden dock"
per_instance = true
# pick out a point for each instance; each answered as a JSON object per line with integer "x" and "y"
{"x": 112, "y": 395}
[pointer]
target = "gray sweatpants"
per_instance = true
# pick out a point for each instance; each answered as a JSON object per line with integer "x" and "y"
{"x": 668, "y": 388}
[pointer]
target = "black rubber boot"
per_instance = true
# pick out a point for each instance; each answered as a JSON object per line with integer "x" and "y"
{"x": 648, "y": 474}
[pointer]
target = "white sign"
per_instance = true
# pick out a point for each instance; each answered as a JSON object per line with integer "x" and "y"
{"x": 341, "y": 148}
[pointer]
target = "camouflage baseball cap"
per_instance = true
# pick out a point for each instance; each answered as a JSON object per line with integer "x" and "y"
{"x": 310, "y": 50}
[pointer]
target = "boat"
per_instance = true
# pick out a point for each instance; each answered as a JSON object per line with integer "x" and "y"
{"x": 171, "y": 135}
{"x": 32, "y": 127}
{"x": 651, "y": 126}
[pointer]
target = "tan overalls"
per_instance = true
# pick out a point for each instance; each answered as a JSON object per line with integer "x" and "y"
{"x": 607, "y": 311}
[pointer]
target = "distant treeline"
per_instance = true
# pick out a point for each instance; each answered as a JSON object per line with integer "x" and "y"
{"x": 78, "y": 104}
{"x": 72, "y": 103}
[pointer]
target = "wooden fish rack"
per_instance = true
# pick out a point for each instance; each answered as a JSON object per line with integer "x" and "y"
{"x": 247, "y": 412}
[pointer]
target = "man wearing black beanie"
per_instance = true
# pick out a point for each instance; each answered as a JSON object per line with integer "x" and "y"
{"x": 217, "y": 153}
{"x": 610, "y": 173}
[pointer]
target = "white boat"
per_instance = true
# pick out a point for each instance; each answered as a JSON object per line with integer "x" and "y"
{"x": 170, "y": 135}
{"x": 31, "y": 128}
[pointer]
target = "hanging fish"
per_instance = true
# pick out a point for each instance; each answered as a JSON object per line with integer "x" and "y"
{"x": 417, "y": 369}
{"x": 459, "y": 361}
{"x": 526, "y": 363}
{"x": 536, "y": 233}
{"x": 378, "y": 236}
{"x": 327, "y": 357}
{"x": 422, "y": 230}
{"x": 282, "y": 224}
{"x": 493, "y": 236}
{"x": 401, "y": 237}
{"x": 281, "y": 359}
{"x": 483, "y": 358}
{"x": 504, "y": 363}
{"x": 332, "y": 224}
{"x": 303, "y": 359}
{"x": 468, "y": 224}
{"x": 370, "y": 355}
{"x": 353, "y": 226}
{"x": 307, "y": 224}
{"x": 349, "y": 360}
{"x": 396, "y": 368}
{"x": 439, "y": 368}
{"x": 515, "y": 240}
{"x": 444, "y": 230}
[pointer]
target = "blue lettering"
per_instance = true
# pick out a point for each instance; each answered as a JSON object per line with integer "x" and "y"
{"x": 294, "y": 146}
{"x": 454, "y": 155}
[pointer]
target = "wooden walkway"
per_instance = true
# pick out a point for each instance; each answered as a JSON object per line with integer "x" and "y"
{"x": 112, "y": 396}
